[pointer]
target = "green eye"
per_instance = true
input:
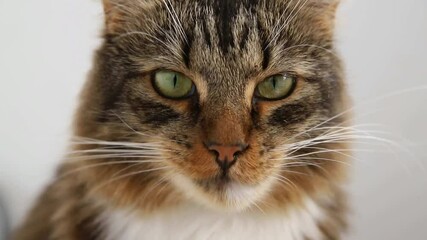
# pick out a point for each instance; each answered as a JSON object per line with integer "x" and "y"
{"x": 172, "y": 84}
{"x": 276, "y": 87}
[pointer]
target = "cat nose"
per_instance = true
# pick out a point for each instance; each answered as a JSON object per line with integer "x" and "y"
{"x": 226, "y": 154}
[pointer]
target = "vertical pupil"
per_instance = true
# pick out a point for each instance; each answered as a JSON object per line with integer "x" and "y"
{"x": 174, "y": 81}
{"x": 274, "y": 82}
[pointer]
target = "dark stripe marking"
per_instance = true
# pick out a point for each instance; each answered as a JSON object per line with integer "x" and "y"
{"x": 153, "y": 112}
{"x": 290, "y": 114}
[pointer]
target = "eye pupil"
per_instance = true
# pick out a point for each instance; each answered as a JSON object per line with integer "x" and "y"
{"x": 174, "y": 80}
{"x": 274, "y": 82}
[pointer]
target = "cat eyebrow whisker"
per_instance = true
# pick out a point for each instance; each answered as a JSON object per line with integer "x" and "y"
{"x": 150, "y": 36}
{"x": 284, "y": 50}
{"x": 171, "y": 43}
{"x": 174, "y": 45}
{"x": 120, "y": 7}
{"x": 177, "y": 23}
{"x": 291, "y": 17}
{"x": 274, "y": 29}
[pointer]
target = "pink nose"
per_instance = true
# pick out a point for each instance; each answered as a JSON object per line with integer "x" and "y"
{"x": 226, "y": 154}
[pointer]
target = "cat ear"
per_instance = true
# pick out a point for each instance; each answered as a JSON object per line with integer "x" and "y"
{"x": 114, "y": 11}
{"x": 329, "y": 5}
{"x": 326, "y": 10}
{"x": 112, "y": 16}
{"x": 117, "y": 11}
{"x": 332, "y": 5}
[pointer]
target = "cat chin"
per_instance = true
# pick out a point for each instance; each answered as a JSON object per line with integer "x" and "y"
{"x": 230, "y": 197}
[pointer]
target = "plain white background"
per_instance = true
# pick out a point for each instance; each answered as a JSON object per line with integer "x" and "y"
{"x": 46, "y": 48}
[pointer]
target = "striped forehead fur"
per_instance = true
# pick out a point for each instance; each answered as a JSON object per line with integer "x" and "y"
{"x": 225, "y": 27}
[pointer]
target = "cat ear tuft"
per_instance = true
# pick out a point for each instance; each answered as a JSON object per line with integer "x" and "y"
{"x": 328, "y": 8}
{"x": 113, "y": 15}
{"x": 107, "y": 5}
{"x": 118, "y": 11}
{"x": 330, "y": 5}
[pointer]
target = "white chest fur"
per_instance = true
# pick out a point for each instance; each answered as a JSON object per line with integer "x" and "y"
{"x": 193, "y": 222}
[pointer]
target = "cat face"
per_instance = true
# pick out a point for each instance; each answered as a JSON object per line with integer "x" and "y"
{"x": 225, "y": 95}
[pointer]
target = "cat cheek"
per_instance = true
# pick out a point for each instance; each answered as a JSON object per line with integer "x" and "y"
{"x": 290, "y": 114}
{"x": 197, "y": 163}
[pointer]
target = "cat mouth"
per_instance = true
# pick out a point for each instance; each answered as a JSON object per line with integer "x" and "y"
{"x": 218, "y": 183}
{"x": 222, "y": 193}
{"x": 232, "y": 194}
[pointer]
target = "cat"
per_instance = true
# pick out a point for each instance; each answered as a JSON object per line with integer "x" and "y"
{"x": 206, "y": 119}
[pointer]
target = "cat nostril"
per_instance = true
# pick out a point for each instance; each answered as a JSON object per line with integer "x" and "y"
{"x": 226, "y": 154}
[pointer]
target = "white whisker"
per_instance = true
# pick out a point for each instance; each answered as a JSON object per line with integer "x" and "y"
{"x": 90, "y": 166}
{"x": 96, "y": 188}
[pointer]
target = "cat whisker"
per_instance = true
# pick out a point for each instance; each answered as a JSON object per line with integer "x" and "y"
{"x": 339, "y": 135}
{"x": 111, "y": 145}
{"x": 379, "y": 98}
{"x": 109, "y": 157}
{"x": 294, "y": 172}
{"x": 115, "y": 150}
{"x": 129, "y": 167}
{"x": 154, "y": 186}
{"x": 326, "y": 150}
{"x": 297, "y": 163}
{"x": 264, "y": 203}
{"x": 336, "y": 139}
{"x": 103, "y": 164}
{"x": 325, "y": 159}
{"x": 85, "y": 140}
{"x": 253, "y": 202}
{"x": 285, "y": 181}
{"x": 99, "y": 186}
{"x": 340, "y": 131}
{"x": 304, "y": 164}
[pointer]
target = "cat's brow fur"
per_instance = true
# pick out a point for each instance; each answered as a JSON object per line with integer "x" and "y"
{"x": 226, "y": 47}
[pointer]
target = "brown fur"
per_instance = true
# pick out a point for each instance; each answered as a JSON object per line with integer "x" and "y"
{"x": 119, "y": 102}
